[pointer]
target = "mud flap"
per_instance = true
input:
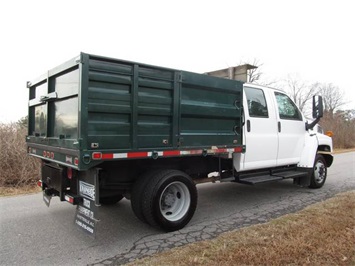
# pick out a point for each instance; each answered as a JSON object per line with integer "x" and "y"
{"x": 47, "y": 198}
{"x": 86, "y": 216}
{"x": 304, "y": 181}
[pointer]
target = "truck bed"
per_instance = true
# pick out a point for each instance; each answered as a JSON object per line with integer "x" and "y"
{"x": 95, "y": 108}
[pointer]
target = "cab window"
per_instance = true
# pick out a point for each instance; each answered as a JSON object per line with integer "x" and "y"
{"x": 287, "y": 109}
{"x": 256, "y": 102}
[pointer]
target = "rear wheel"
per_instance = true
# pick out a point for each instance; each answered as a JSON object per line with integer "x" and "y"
{"x": 169, "y": 200}
{"x": 137, "y": 192}
{"x": 319, "y": 174}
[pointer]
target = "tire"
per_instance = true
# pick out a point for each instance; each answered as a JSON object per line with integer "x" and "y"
{"x": 169, "y": 200}
{"x": 137, "y": 192}
{"x": 111, "y": 200}
{"x": 319, "y": 174}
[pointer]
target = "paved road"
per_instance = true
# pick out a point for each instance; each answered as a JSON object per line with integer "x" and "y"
{"x": 32, "y": 234}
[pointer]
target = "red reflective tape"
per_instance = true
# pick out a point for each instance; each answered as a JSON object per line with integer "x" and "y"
{"x": 137, "y": 154}
{"x": 107, "y": 156}
{"x": 171, "y": 153}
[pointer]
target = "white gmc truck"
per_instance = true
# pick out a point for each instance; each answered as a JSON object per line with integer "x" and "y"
{"x": 106, "y": 129}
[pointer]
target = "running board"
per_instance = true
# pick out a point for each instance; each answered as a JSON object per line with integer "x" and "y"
{"x": 290, "y": 174}
{"x": 259, "y": 179}
{"x": 253, "y": 180}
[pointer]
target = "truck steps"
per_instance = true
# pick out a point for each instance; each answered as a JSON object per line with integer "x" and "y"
{"x": 259, "y": 179}
{"x": 290, "y": 174}
{"x": 270, "y": 178}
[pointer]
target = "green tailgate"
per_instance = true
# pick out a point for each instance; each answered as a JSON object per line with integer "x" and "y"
{"x": 53, "y": 117}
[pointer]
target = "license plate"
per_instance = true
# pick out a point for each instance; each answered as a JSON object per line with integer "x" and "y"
{"x": 46, "y": 199}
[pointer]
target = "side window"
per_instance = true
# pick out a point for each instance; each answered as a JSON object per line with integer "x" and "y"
{"x": 287, "y": 109}
{"x": 256, "y": 102}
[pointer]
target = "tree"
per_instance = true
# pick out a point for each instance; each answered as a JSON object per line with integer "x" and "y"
{"x": 256, "y": 75}
{"x": 333, "y": 97}
{"x": 300, "y": 91}
{"x": 23, "y": 122}
{"x": 342, "y": 124}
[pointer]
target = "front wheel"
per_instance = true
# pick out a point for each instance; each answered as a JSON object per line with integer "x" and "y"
{"x": 319, "y": 174}
{"x": 169, "y": 200}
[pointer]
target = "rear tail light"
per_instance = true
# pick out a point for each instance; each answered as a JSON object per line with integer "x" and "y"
{"x": 39, "y": 183}
{"x": 69, "y": 173}
{"x": 96, "y": 155}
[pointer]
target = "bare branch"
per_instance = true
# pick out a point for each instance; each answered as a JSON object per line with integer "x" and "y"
{"x": 333, "y": 97}
{"x": 299, "y": 91}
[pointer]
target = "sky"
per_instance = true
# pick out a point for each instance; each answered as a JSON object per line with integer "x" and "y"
{"x": 313, "y": 39}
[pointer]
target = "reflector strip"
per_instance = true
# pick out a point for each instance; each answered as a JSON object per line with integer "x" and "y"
{"x": 137, "y": 154}
{"x": 69, "y": 199}
{"x": 156, "y": 154}
{"x": 171, "y": 153}
{"x": 107, "y": 156}
{"x": 119, "y": 155}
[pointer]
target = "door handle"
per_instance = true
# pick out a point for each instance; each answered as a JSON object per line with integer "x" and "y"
{"x": 248, "y": 125}
{"x": 279, "y": 126}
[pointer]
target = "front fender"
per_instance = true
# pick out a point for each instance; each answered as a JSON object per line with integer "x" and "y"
{"x": 316, "y": 143}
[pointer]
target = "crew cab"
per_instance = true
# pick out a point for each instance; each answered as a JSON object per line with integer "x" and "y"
{"x": 106, "y": 129}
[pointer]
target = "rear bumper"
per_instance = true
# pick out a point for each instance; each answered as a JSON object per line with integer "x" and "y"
{"x": 56, "y": 183}
{"x": 59, "y": 155}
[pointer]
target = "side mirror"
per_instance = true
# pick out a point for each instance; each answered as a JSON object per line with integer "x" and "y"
{"x": 317, "y": 111}
{"x": 317, "y": 107}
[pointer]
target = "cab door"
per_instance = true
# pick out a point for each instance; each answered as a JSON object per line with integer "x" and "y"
{"x": 260, "y": 130}
{"x": 291, "y": 130}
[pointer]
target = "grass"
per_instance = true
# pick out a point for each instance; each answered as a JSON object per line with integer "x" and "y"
{"x": 15, "y": 191}
{"x": 321, "y": 234}
{"x": 337, "y": 151}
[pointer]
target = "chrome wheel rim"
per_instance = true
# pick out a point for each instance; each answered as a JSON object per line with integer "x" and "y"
{"x": 319, "y": 172}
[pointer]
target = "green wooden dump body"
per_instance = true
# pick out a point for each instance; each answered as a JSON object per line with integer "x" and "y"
{"x": 92, "y": 108}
